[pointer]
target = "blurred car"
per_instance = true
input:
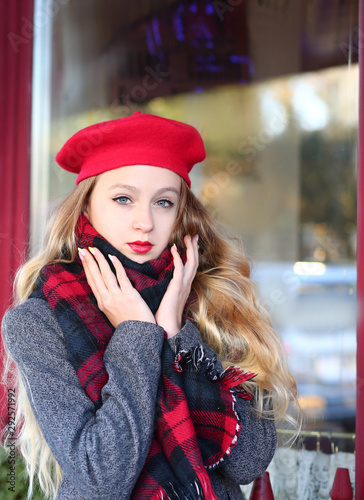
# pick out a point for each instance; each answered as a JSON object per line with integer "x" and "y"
{"x": 313, "y": 308}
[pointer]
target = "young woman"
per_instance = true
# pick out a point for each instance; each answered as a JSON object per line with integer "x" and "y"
{"x": 145, "y": 367}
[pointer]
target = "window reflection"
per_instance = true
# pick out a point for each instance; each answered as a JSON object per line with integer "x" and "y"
{"x": 272, "y": 86}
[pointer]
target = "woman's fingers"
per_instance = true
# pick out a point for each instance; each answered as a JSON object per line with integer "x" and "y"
{"x": 100, "y": 275}
{"x": 185, "y": 273}
{"x": 105, "y": 278}
{"x": 195, "y": 247}
{"x": 192, "y": 257}
{"x": 121, "y": 275}
{"x": 91, "y": 281}
{"x": 178, "y": 264}
{"x": 121, "y": 281}
{"x": 92, "y": 272}
{"x": 170, "y": 311}
{"x": 115, "y": 295}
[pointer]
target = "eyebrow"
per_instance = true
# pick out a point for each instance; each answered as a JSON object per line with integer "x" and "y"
{"x": 133, "y": 188}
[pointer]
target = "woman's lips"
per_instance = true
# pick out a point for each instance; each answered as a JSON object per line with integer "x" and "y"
{"x": 140, "y": 246}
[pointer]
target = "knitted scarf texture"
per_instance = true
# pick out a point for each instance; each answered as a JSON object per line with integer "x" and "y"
{"x": 196, "y": 424}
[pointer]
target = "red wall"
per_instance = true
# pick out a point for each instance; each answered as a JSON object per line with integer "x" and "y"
{"x": 16, "y": 44}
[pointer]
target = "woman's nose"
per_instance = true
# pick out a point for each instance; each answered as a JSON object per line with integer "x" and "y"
{"x": 143, "y": 219}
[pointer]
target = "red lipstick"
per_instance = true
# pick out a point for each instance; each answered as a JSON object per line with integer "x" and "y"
{"x": 141, "y": 246}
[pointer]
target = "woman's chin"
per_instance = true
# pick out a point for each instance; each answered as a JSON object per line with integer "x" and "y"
{"x": 140, "y": 258}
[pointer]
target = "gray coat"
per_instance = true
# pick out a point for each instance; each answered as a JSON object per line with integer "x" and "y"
{"x": 102, "y": 452}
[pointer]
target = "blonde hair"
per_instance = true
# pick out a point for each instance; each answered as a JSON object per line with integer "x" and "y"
{"x": 226, "y": 311}
{"x": 59, "y": 246}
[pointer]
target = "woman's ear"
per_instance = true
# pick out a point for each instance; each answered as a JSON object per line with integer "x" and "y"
{"x": 86, "y": 204}
{"x": 84, "y": 210}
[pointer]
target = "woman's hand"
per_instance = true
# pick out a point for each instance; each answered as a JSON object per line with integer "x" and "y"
{"x": 116, "y": 297}
{"x": 169, "y": 314}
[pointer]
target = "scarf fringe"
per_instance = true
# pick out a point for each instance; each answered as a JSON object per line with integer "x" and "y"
{"x": 201, "y": 490}
{"x": 206, "y": 492}
{"x": 231, "y": 377}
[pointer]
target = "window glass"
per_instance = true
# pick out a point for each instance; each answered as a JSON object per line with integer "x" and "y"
{"x": 272, "y": 86}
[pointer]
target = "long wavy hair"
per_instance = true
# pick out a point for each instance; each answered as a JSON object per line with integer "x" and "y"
{"x": 227, "y": 312}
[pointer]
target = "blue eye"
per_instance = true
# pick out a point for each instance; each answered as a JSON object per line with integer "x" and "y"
{"x": 123, "y": 200}
{"x": 165, "y": 203}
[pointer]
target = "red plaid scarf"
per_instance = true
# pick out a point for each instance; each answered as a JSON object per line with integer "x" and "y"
{"x": 196, "y": 425}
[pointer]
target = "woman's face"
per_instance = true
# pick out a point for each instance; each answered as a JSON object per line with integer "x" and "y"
{"x": 134, "y": 208}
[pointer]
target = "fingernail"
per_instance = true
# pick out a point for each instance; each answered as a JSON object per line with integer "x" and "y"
{"x": 91, "y": 250}
{"x": 196, "y": 237}
{"x": 111, "y": 257}
{"x": 175, "y": 247}
{"x": 81, "y": 253}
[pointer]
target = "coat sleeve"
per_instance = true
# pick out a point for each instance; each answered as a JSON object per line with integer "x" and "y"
{"x": 101, "y": 452}
{"x": 257, "y": 441}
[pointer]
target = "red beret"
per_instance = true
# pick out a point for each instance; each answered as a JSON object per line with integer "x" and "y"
{"x": 139, "y": 139}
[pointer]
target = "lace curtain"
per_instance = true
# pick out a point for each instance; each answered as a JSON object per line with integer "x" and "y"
{"x": 305, "y": 475}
